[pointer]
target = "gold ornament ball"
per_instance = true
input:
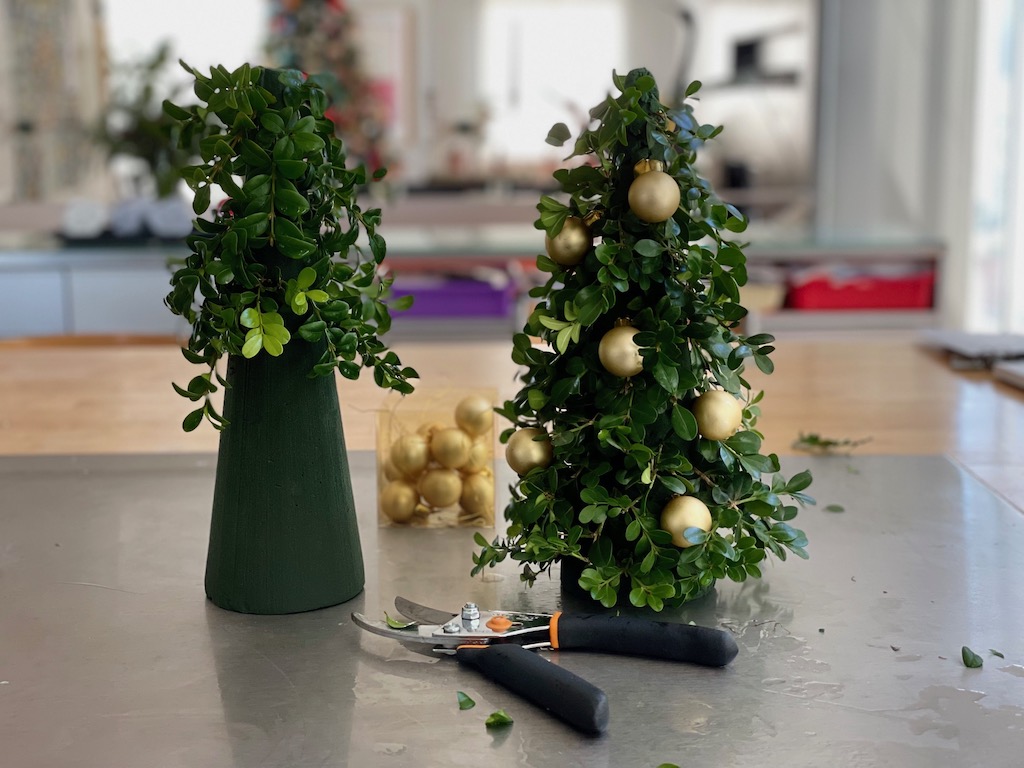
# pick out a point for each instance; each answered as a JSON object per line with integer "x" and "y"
{"x": 450, "y": 447}
{"x": 618, "y": 352}
{"x": 440, "y": 487}
{"x": 478, "y": 495}
{"x": 410, "y": 454}
{"x": 718, "y": 415}
{"x": 474, "y": 414}
{"x": 479, "y": 458}
{"x": 524, "y": 452}
{"x": 654, "y": 196}
{"x": 571, "y": 243}
{"x": 398, "y": 501}
{"x": 684, "y": 512}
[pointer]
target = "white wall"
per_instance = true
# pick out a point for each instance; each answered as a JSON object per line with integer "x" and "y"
{"x": 203, "y": 33}
{"x": 895, "y": 127}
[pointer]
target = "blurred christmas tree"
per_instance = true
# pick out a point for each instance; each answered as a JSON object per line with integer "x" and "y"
{"x": 135, "y": 125}
{"x": 320, "y": 37}
{"x": 634, "y": 432}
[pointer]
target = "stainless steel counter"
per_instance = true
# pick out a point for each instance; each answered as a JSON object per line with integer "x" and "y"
{"x": 110, "y": 657}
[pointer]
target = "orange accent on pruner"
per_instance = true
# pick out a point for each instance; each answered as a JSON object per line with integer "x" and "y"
{"x": 554, "y": 629}
{"x": 471, "y": 647}
{"x": 498, "y": 623}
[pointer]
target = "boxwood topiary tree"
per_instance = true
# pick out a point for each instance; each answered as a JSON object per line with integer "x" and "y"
{"x": 264, "y": 267}
{"x": 634, "y": 432}
{"x": 279, "y": 283}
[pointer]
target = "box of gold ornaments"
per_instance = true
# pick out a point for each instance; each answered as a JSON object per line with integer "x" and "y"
{"x": 435, "y": 459}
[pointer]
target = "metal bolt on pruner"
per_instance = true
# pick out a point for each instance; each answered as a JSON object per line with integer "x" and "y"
{"x": 470, "y": 616}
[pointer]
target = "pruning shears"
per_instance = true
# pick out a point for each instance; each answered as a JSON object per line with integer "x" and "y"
{"x": 499, "y": 643}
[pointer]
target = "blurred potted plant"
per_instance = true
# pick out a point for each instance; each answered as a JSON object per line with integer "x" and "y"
{"x": 286, "y": 293}
{"x": 136, "y": 129}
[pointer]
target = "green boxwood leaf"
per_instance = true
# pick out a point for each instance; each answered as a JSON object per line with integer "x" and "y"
{"x": 193, "y": 396}
{"x": 306, "y": 278}
{"x": 684, "y": 423}
{"x": 971, "y": 659}
{"x": 667, "y": 376}
{"x": 272, "y": 122}
{"x": 498, "y": 719}
{"x": 252, "y": 345}
{"x": 250, "y": 318}
{"x": 295, "y": 248}
{"x": 278, "y": 332}
{"x": 290, "y": 202}
{"x": 558, "y": 135}
{"x": 193, "y": 420}
{"x": 308, "y": 142}
{"x": 273, "y": 345}
{"x": 464, "y": 701}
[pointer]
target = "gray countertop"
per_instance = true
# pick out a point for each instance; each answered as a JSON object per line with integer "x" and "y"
{"x": 111, "y": 657}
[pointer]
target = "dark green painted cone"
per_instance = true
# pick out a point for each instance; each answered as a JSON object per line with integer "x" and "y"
{"x": 284, "y": 536}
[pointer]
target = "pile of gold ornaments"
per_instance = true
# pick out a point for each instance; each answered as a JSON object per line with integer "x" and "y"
{"x": 438, "y": 467}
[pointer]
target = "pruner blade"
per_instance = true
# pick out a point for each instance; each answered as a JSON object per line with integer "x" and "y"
{"x": 416, "y": 633}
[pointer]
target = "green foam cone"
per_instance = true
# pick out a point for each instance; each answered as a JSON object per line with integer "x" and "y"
{"x": 283, "y": 536}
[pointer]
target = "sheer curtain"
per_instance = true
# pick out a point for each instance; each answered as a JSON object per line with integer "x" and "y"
{"x": 995, "y": 275}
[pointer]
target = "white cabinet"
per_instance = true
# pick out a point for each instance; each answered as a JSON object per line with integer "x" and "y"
{"x": 87, "y": 291}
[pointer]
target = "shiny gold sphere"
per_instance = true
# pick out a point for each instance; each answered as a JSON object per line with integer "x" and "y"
{"x": 450, "y": 447}
{"x": 440, "y": 487}
{"x": 479, "y": 457}
{"x": 475, "y": 415}
{"x": 410, "y": 454}
{"x": 398, "y": 501}
{"x": 718, "y": 415}
{"x": 571, "y": 244}
{"x": 618, "y": 352}
{"x": 684, "y": 512}
{"x": 654, "y": 196}
{"x": 524, "y": 452}
{"x": 478, "y": 495}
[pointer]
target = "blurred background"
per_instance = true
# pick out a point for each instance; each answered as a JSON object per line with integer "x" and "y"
{"x": 875, "y": 145}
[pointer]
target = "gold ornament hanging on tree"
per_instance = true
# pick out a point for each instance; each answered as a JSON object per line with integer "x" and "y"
{"x": 684, "y": 512}
{"x": 618, "y": 353}
{"x": 654, "y": 195}
{"x": 571, "y": 244}
{"x": 718, "y": 415}
{"x": 525, "y": 452}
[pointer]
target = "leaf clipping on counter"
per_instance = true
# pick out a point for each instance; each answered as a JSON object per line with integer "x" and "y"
{"x": 994, "y": 652}
{"x": 971, "y": 659}
{"x": 464, "y": 701}
{"x": 812, "y": 443}
{"x": 499, "y": 718}
{"x": 835, "y": 508}
{"x": 397, "y": 623}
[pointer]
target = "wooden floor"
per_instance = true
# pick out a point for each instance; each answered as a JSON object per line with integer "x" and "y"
{"x": 881, "y": 388}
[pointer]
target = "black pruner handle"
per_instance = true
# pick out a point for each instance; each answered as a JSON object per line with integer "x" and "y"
{"x": 641, "y": 637}
{"x": 549, "y": 686}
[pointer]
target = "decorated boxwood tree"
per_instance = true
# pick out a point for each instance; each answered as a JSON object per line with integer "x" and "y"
{"x": 640, "y": 468}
